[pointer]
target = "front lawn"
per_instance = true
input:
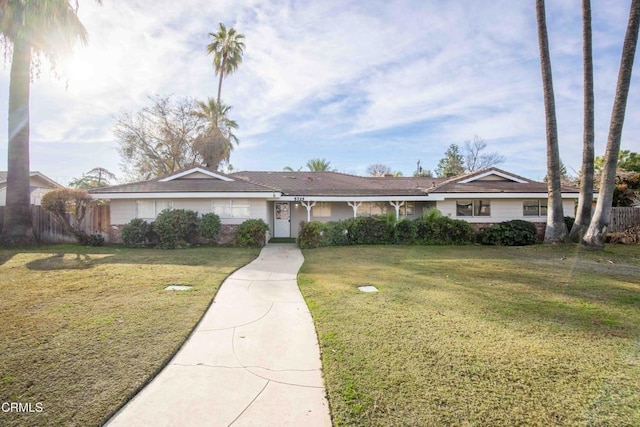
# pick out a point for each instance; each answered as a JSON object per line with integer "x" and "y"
{"x": 476, "y": 335}
{"x": 84, "y": 328}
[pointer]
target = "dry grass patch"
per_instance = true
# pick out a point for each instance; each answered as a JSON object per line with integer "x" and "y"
{"x": 84, "y": 328}
{"x": 478, "y": 335}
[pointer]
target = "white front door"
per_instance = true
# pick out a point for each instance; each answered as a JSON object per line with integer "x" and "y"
{"x": 282, "y": 226}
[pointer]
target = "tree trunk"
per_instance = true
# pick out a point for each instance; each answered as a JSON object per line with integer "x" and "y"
{"x": 595, "y": 235}
{"x": 585, "y": 200}
{"x": 556, "y": 230}
{"x": 224, "y": 59}
{"x": 17, "y": 228}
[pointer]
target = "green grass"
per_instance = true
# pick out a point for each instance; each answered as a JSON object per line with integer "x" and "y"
{"x": 84, "y": 328}
{"x": 472, "y": 335}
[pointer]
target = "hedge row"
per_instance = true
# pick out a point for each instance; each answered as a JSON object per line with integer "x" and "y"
{"x": 174, "y": 228}
{"x": 430, "y": 229}
{"x": 384, "y": 230}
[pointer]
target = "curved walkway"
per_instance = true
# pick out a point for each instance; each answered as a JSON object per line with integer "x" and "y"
{"x": 253, "y": 360}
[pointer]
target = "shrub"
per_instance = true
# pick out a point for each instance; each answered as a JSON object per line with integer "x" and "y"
{"x": 136, "y": 233}
{"x": 370, "y": 230}
{"x": 405, "y": 231}
{"x": 209, "y": 226}
{"x": 510, "y": 233}
{"x": 92, "y": 240}
{"x": 252, "y": 233}
{"x": 442, "y": 230}
{"x": 569, "y": 221}
{"x": 337, "y": 232}
{"x": 312, "y": 235}
{"x": 175, "y": 227}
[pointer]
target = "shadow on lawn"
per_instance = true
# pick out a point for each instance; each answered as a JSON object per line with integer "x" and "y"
{"x": 74, "y": 259}
{"x": 610, "y": 313}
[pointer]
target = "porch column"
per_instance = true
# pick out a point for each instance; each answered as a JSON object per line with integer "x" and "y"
{"x": 354, "y": 206}
{"x": 308, "y": 205}
{"x": 397, "y": 205}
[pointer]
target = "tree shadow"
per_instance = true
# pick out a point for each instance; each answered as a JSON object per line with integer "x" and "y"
{"x": 65, "y": 261}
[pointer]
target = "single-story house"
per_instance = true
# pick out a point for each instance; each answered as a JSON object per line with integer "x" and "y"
{"x": 39, "y": 184}
{"x": 285, "y": 199}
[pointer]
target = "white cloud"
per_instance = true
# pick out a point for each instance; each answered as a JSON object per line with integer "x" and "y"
{"x": 356, "y": 82}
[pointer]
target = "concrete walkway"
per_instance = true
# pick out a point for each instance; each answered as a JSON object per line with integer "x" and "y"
{"x": 252, "y": 361}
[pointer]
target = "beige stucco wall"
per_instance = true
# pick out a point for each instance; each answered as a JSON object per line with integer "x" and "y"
{"x": 501, "y": 210}
{"x": 124, "y": 210}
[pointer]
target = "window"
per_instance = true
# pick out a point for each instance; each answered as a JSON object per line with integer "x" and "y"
{"x": 321, "y": 210}
{"x": 407, "y": 209}
{"x": 473, "y": 208}
{"x": 233, "y": 208}
{"x": 149, "y": 209}
{"x": 534, "y": 207}
{"x": 374, "y": 208}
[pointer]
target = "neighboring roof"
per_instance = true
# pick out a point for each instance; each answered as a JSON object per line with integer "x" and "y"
{"x": 3, "y": 178}
{"x": 329, "y": 184}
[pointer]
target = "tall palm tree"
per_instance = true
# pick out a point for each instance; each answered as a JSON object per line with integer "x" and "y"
{"x": 319, "y": 165}
{"x": 216, "y": 138}
{"x": 585, "y": 200}
{"x": 227, "y": 48}
{"x": 556, "y": 230}
{"x": 594, "y": 237}
{"x": 50, "y": 28}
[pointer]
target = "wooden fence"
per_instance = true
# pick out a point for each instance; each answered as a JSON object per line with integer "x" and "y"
{"x": 47, "y": 230}
{"x": 624, "y": 218}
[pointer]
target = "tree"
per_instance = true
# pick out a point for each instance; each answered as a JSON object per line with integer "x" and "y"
{"x": 475, "y": 158}
{"x": 556, "y": 229}
{"x": 95, "y": 178}
{"x": 216, "y": 138}
{"x": 627, "y": 161}
{"x": 29, "y": 29}
{"x": 452, "y": 164}
{"x": 378, "y": 169}
{"x": 69, "y": 207}
{"x": 168, "y": 136}
{"x": 594, "y": 237}
{"x": 227, "y": 48}
{"x": 319, "y": 165}
{"x": 585, "y": 199}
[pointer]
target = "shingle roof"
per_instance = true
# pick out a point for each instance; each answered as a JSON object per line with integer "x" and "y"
{"x": 193, "y": 185}
{"x": 336, "y": 184}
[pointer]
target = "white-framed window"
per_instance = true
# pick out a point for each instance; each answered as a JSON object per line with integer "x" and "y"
{"x": 321, "y": 210}
{"x": 473, "y": 207}
{"x": 149, "y": 209}
{"x": 375, "y": 208}
{"x": 534, "y": 207}
{"x": 232, "y": 208}
{"x": 407, "y": 209}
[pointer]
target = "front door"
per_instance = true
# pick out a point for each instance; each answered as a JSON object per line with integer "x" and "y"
{"x": 282, "y": 226}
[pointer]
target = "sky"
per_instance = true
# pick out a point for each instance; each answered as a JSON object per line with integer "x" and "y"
{"x": 356, "y": 82}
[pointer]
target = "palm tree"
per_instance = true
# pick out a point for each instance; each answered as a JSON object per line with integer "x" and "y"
{"x": 556, "y": 229}
{"x": 227, "y": 48}
{"x": 216, "y": 136}
{"x": 594, "y": 236}
{"x": 585, "y": 200}
{"x": 319, "y": 165}
{"x": 50, "y": 28}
